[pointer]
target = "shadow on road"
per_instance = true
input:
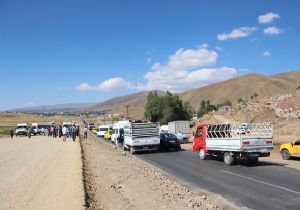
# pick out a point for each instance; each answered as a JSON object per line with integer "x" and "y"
{"x": 245, "y": 163}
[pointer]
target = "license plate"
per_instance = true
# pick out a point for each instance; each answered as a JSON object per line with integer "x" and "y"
{"x": 172, "y": 141}
{"x": 146, "y": 147}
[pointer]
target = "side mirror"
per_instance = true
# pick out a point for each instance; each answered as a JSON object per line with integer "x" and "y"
{"x": 193, "y": 133}
{"x": 292, "y": 144}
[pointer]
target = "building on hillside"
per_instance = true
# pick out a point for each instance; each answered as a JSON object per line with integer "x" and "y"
{"x": 224, "y": 109}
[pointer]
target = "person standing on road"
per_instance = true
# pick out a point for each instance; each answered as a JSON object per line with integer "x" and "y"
{"x": 29, "y": 133}
{"x": 77, "y": 130}
{"x": 11, "y": 131}
{"x": 64, "y": 133}
{"x": 49, "y": 131}
{"x": 85, "y": 131}
{"x": 179, "y": 136}
{"x": 73, "y": 133}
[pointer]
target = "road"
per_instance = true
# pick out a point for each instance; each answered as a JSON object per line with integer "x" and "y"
{"x": 265, "y": 186}
{"x": 40, "y": 173}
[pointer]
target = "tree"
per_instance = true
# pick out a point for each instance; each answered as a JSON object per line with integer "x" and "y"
{"x": 202, "y": 110}
{"x": 168, "y": 107}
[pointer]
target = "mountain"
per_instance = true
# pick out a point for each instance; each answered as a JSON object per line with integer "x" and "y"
{"x": 54, "y": 108}
{"x": 135, "y": 102}
{"x": 244, "y": 86}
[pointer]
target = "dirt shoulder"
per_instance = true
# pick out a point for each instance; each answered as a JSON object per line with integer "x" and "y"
{"x": 118, "y": 180}
{"x": 40, "y": 173}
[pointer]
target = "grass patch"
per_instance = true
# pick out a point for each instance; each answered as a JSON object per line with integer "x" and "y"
{"x": 4, "y": 130}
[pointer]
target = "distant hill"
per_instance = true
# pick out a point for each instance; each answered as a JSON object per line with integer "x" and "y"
{"x": 233, "y": 89}
{"x": 54, "y": 108}
{"x": 244, "y": 86}
{"x": 136, "y": 103}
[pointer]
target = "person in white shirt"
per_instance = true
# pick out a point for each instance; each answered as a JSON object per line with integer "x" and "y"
{"x": 64, "y": 132}
{"x": 179, "y": 136}
{"x": 85, "y": 132}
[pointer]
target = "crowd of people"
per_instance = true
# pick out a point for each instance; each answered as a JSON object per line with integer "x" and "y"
{"x": 55, "y": 131}
{"x": 63, "y": 131}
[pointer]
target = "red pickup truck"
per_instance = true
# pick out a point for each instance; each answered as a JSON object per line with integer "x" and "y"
{"x": 234, "y": 141}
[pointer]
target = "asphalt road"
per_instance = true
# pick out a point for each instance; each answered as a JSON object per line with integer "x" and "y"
{"x": 265, "y": 186}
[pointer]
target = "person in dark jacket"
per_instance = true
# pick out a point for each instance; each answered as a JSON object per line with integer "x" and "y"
{"x": 153, "y": 116}
{"x": 11, "y": 131}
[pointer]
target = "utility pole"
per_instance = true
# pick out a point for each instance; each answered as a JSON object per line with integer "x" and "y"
{"x": 127, "y": 107}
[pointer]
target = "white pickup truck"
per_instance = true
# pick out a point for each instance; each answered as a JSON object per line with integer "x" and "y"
{"x": 234, "y": 141}
{"x": 140, "y": 136}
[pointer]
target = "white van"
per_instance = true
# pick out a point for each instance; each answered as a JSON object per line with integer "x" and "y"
{"x": 38, "y": 127}
{"x": 22, "y": 129}
{"x": 116, "y": 130}
{"x": 103, "y": 129}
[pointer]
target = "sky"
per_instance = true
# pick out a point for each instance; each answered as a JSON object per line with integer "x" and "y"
{"x": 77, "y": 51}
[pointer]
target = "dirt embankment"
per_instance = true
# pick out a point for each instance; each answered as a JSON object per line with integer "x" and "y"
{"x": 117, "y": 180}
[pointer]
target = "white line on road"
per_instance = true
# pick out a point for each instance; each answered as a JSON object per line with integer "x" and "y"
{"x": 261, "y": 182}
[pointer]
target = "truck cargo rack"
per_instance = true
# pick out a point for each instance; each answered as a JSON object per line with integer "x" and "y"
{"x": 239, "y": 131}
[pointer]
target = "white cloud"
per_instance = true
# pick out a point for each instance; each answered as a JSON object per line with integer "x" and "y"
{"x": 266, "y": 54}
{"x": 237, "y": 33}
{"x": 268, "y": 18}
{"x": 112, "y": 84}
{"x": 116, "y": 83}
{"x": 272, "y": 31}
{"x": 184, "y": 70}
{"x": 84, "y": 86}
{"x": 204, "y": 45}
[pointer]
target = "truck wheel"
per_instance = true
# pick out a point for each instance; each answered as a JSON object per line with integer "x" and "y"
{"x": 228, "y": 158}
{"x": 285, "y": 154}
{"x": 132, "y": 151}
{"x": 178, "y": 148}
{"x": 202, "y": 154}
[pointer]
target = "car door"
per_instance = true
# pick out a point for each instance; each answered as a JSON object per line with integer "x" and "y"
{"x": 296, "y": 148}
{"x": 199, "y": 141}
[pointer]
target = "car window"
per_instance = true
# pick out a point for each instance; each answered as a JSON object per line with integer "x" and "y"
{"x": 199, "y": 132}
{"x": 297, "y": 142}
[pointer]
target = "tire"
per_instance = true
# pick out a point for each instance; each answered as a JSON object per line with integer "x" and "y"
{"x": 132, "y": 151}
{"x": 228, "y": 158}
{"x": 178, "y": 148}
{"x": 202, "y": 154}
{"x": 285, "y": 154}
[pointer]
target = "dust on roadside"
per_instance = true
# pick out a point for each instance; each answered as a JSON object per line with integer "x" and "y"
{"x": 117, "y": 180}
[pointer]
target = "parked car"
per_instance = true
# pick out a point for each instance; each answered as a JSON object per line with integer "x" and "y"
{"x": 289, "y": 150}
{"x": 94, "y": 130}
{"x": 169, "y": 140}
{"x": 107, "y": 135}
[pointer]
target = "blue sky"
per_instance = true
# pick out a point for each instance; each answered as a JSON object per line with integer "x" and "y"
{"x": 54, "y": 52}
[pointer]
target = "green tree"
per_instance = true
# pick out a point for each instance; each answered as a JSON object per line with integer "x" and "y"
{"x": 168, "y": 107}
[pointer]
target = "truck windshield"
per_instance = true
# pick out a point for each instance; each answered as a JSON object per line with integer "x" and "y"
{"x": 21, "y": 127}
{"x": 103, "y": 129}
